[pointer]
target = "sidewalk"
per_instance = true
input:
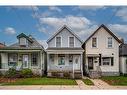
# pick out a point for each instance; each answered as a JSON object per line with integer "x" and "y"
{"x": 99, "y": 84}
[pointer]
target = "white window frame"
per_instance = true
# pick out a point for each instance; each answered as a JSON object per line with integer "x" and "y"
{"x": 25, "y": 41}
{"x": 64, "y": 60}
{"x": 106, "y": 61}
{"x": 108, "y": 43}
{"x": 61, "y": 40}
{"x": 69, "y": 41}
{"x": 96, "y": 42}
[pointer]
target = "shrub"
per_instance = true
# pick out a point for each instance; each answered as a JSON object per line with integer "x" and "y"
{"x": 11, "y": 73}
{"x": 26, "y": 73}
{"x": 66, "y": 74}
{"x": 1, "y": 74}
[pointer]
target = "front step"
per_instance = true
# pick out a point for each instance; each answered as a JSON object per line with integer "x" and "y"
{"x": 94, "y": 74}
{"x": 78, "y": 74}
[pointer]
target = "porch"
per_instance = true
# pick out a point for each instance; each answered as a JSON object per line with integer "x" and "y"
{"x": 20, "y": 59}
{"x": 64, "y": 62}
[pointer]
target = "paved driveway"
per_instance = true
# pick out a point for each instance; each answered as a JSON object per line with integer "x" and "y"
{"x": 99, "y": 84}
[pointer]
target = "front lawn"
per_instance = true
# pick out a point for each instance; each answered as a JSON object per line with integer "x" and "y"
{"x": 87, "y": 81}
{"x": 115, "y": 80}
{"x": 42, "y": 81}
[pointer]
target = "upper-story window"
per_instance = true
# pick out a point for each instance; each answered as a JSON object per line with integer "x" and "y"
{"x": 94, "y": 42}
{"x": 109, "y": 42}
{"x": 58, "y": 41}
{"x": 23, "y": 41}
{"x": 71, "y": 41}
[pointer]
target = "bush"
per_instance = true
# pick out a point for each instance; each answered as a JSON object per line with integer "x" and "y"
{"x": 11, "y": 73}
{"x": 66, "y": 74}
{"x": 1, "y": 74}
{"x": 26, "y": 73}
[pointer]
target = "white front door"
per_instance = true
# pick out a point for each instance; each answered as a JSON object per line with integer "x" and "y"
{"x": 76, "y": 62}
{"x": 25, "y": 61}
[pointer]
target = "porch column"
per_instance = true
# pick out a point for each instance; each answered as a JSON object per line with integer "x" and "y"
{"x": 41, "y": 60}
{"x": 47, "y": 61}
{"x": 73, "y": 71}
{"x": 81, "y": 67}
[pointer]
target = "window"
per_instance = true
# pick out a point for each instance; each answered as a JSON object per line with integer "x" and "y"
{"x": 23, "y": 41}
{"x": 71, "y": 41}
{"x": 70, "y": 59}
{"x": 58, "y": 41}
{"x": 109, "y": 42}
{"x": 108, "y": 61}
{"x": 94, "y": 42}
{"x": 34, "y": 59}
{"x": 61, "y": 59}
{"x": 12, "y": 59}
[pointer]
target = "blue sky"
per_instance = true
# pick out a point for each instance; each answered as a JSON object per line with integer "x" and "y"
{"x": 42, "y": 21}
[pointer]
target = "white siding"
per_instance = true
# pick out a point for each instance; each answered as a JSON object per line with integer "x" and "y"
{"x": 123, "y": 66}
{"x": 102, "y": 48}
{"x": 4, "y": 57}
{"x": 65, "y": 34}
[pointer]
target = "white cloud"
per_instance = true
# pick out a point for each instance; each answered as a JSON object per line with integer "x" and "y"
{"x": 43, "y": 43}
{"x": 94, "y": 8}
{"x": 54, "y": 8}
{"x": 81, "y": 25}
{"x": 119, "y": 28}
{"x": 122, "y": 13}
{"x": 9, "y": 30}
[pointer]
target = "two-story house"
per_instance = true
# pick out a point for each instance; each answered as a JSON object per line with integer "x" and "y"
{"x": 64, "y": 54}
{"x": 102, "y": 53}
{"x": 26, "y": 53}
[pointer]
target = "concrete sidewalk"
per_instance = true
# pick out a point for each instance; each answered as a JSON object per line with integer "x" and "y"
{"x": 99, "y": 84}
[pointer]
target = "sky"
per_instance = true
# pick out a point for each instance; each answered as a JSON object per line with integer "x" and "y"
{"x": 43, "y": 21}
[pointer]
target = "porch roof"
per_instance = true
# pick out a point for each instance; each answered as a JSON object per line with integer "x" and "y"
{"x": 64, "y": 50}
{"x": 19, "y": 49}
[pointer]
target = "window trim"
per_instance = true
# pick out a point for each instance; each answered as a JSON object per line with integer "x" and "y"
{"x": 9, "y": 59}
{"x": 32, "y": 60}
{"x": 96, "y": 42}
{"x": 64, "y": 60}
{"x": 110, "y": 64}
{"x": 61, "y": 41}
{"x": 69, "y": 41}
{"x": 107, "y": 42}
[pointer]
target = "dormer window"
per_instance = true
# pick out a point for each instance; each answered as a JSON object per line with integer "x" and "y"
{"x": 23, "y": 42}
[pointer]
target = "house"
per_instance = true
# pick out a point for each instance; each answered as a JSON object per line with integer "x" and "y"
{"x": 123, "y": 58}
{"x": 64, "y": 54}
{"x": 26, "y": 53}
{"x": 2, "y": 45}
{"x": 102, "y": 53}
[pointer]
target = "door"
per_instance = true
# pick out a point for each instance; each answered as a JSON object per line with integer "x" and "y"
{"x": 25, "y": 61}
{"x": 90, "y": 63}
{"x": 76, "y": 62}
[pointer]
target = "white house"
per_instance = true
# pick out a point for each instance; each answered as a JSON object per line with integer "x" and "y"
{"x": 26, "y": 53}
{"x": 102, "y": 53}
{"x": 123, "y": 58}
{"x": 64, "y": 54}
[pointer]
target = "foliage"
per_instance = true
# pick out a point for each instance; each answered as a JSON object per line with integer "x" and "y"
{"x": 26, "y": 73}
{"x": 66, "y": 74}
{"x": 11, "y": 73}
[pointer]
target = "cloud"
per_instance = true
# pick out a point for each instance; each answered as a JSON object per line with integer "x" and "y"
{"x": 119, "y": 28}
{"x": 54, "y": 8}
{"x": 93, "y": 8}
{"x": 35, "y": 8}
{"x": 43, "y": 43}
{"x": 122, "y": 12}
{"x": 79, "y": 24}
{"x": 10, "y": 30}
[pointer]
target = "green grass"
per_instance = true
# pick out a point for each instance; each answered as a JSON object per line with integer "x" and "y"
{"x": 116, "y": 80}
{"x": 88, "y": 82}
{"x": 43, "y": 81}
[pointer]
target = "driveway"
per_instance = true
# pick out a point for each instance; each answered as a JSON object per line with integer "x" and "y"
{"x": 99, "y": 84}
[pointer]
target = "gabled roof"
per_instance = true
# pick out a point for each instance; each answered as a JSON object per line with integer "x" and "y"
{"x": 23, "y": 35}
{"x": 64, "y": 27}
{"x": 109, "y": 31}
